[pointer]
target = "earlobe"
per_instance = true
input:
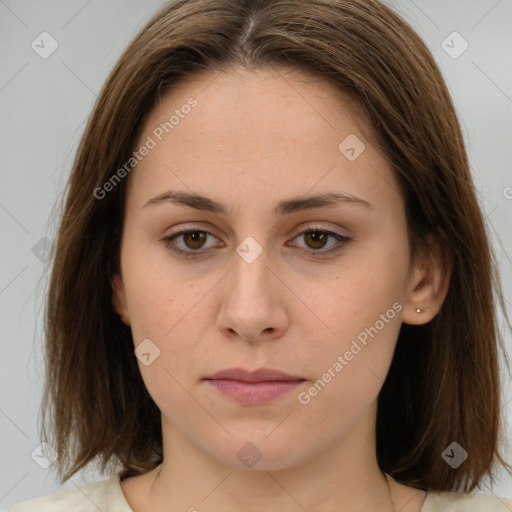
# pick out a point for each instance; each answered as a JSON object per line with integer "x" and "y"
{"x": 429, "y": 285}
{"x": 119, "y": 299}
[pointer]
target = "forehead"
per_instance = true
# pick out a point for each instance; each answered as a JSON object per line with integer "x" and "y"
{"x": 260, "y": 102}
{"x": 272, "y": 132}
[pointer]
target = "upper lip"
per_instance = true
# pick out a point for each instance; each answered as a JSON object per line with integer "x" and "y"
{"x": 259, "y": 375}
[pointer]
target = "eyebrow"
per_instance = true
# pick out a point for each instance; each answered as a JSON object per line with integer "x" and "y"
{"x": 286, "y": 207}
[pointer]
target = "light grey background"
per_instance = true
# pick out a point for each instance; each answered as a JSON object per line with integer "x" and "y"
{"x": 44, "y": 104}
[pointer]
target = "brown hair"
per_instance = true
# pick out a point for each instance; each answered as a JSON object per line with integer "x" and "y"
{"x": 443, "y": 383}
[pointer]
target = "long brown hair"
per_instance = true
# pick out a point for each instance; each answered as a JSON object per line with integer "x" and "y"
{"x": 443, "y": 384}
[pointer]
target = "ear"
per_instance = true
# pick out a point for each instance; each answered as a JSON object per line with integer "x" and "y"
{"x": 119, "y": 299}
{"x": 428, "y": 283}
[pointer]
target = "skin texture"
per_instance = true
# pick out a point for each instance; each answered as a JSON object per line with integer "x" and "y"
{"x": 254, "y": 139}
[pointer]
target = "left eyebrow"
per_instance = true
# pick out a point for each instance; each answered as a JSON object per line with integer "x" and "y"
{"x": 206, "y": 204}
{"x": 331, "y": 199}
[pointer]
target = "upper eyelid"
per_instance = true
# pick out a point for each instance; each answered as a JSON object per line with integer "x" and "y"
{"x": 310, "y": 226}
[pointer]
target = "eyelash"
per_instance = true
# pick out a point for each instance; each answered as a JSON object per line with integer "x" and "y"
{"x": 343, "y": 242}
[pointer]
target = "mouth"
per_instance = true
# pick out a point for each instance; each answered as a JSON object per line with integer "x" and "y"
{"x": 253, "y": 388}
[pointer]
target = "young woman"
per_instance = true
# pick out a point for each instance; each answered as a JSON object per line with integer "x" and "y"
{"x": 272, "y": 286}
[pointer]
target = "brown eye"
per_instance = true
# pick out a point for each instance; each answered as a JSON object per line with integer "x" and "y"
{"x": 194, "y": 239}
{"x": 189, "y": 242}
{"x": 316, "y": 239}
{"x": 317, "y": 242}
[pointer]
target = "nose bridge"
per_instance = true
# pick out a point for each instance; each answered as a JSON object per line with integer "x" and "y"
{"x": 249, "y": 306}
{"x": 251, "y": 273}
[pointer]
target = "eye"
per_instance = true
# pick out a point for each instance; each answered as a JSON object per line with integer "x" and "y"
{"x": 193, "y": 240}
{"x": 317, "y": 240}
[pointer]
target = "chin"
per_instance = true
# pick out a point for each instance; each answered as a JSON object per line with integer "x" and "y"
{"x": 260, "y": 452}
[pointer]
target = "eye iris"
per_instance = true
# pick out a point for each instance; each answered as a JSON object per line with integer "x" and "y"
{"x": 196, "y": 236}
{"x": 316, "y": 236}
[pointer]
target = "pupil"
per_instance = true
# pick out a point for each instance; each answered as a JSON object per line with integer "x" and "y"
{"x": 317, "y": 237}
{"x": 196, "y": 237}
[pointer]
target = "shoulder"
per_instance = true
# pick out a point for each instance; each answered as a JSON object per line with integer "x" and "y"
{"x": 465, "y": 502}
{"x": 105, "y": 495}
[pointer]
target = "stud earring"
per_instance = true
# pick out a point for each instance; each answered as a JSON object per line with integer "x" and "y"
{"x": 419, "y": 310}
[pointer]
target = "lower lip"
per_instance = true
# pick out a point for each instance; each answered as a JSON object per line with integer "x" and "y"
{"x": 254, "y": 393}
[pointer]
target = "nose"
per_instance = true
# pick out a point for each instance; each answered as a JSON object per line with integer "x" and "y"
{"x": 253, "y": 301}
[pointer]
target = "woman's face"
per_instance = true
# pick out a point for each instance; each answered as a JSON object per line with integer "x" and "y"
{"x": 255, "y": 287}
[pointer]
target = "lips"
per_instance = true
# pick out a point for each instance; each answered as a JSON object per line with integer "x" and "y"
{"x": 253, "y": 388}
{"x": 260, "y": 375}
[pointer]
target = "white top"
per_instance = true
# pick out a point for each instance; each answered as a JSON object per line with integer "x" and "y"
{"x": 107, "y": 496}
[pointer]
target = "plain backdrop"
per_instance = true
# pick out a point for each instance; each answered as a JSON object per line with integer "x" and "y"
{"x": 45, "y": 102}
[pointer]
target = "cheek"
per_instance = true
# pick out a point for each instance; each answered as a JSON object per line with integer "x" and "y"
{"x": 350, "y": 372}
{"x": 155, "y": 294}
{"x": 168, "y": 310}
{"x": 361, "y": 308}
{"x": 357, "y": 296}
